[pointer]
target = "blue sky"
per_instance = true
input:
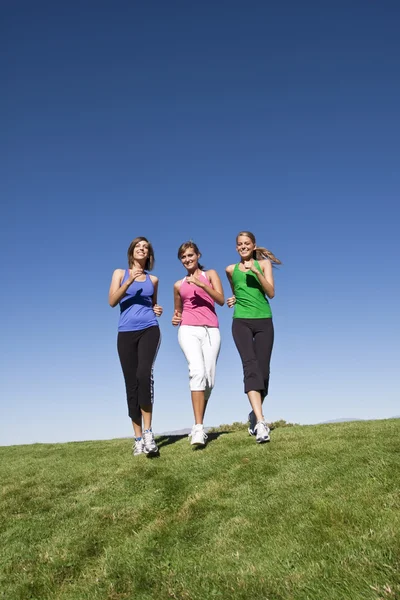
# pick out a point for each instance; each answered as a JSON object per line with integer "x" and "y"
{"x": 179, "y": 120}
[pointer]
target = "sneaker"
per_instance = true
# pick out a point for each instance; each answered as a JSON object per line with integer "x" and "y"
{"x": 198, "y": 436}
{"x": 149, "y": 443}
{"x": 138, "y": 447}
{"x": 252, "y": 423}
{"x": 262, "y": 432}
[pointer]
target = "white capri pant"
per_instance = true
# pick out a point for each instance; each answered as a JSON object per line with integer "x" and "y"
{"x": 200, "y": 345}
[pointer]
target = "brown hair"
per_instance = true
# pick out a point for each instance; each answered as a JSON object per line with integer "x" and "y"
{"x": 259, "y": 252}
{"x": 185, "y": 246}
{"x": 150, "y": 259}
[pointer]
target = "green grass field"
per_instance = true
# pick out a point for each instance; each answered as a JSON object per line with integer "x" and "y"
{"x": 315, "y": 514}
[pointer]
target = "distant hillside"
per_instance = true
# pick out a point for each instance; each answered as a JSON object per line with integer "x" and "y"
{"x": 344, "y": 420}
{"x": 177, "y": 432}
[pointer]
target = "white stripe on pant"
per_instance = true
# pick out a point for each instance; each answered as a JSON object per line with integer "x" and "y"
{"x": 200, "y": 346}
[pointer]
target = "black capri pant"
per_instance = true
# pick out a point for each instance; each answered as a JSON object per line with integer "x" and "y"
{"x": 137, "y": 352}
{"x": 254, "y": 339}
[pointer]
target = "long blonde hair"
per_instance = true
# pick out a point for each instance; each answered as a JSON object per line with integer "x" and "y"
{"x": 259, "y": 252}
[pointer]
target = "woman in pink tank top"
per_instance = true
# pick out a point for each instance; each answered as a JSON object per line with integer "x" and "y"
{"x": 199, "y": 338}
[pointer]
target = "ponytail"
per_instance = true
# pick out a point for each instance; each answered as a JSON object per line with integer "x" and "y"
{"x": 261, "y": 253}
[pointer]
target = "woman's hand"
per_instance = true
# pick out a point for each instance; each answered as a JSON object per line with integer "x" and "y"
{"x": 231, "y": 301}
{"x": 134, "y": 274}
{"x": 157, "y": 310}
{"x": 177, "y": 318}
{"x": 249, "y": 264}
{"x": 194, "y": 280}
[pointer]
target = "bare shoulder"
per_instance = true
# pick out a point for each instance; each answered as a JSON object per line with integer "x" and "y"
{"x": 266, "y": 266}
{"x": 229, "y": 269}
{"x": 211, "y": 273}
{"x": 177, "y": 284}
{"x": 118, "y": 273}
{"x": 153, "y": 279}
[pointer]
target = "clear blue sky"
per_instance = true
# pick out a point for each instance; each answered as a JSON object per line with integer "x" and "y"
{"x": 179, "y": 120}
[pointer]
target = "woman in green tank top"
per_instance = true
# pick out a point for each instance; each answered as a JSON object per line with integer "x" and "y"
{"x": 252, "y": 283}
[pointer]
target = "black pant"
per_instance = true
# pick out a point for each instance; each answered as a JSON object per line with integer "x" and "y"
{"x": 254, "y": 339}
{"x": 137, "y": 352}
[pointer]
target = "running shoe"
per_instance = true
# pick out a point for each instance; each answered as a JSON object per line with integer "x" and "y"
{"x": 198, "y": 435}
{"x": 138, "y": 447}
{"x": 252, "y": 423}
{"x": 149, "y": 446}
{"x": 262, "y": 432}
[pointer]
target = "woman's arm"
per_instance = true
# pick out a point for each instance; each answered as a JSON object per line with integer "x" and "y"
{"x": 177, "y": 316}
{"x": 216, "y": 291}
{"x": 232, "y": 300}
{"x": 154, "y": 281}
{"x": 266, "y": 278}
{"x": 156, "y": 307}
{"x": 117, "y": 291}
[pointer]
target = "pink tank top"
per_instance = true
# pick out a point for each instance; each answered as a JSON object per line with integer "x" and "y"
{"x": 198, "y": 306}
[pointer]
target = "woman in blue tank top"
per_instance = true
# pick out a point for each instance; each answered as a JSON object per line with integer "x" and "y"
{"x": 138, "y": 337}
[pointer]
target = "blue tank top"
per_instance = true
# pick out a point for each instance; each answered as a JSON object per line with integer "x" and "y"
{"x": 137, "y": 306}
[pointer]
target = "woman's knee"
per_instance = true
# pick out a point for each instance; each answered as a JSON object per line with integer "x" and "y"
{"x": 251, "y": 368}
{"x": 197, "y": 379}
{"x": 144, "y": 375}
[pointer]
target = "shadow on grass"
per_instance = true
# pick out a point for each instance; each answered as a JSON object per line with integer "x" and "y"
{"x": 166, "y": 440}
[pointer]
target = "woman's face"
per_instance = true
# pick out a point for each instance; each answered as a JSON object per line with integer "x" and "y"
{"x": 245, "y": 247}
{"x": 190, "y": 259}
{"x": 141, "y": 250}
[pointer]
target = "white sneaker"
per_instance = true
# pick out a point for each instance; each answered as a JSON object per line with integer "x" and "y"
{"x": 252, "y": 423}
{"x": 149, "y": 443}
{"x": 138, "y": 447}
{"x": 262, "y": 432}
{"x": 198, "y": 436}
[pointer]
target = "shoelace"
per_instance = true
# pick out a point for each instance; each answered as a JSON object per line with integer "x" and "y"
{"x": 148, "y": 437}
{"x": 194, "y": 431}
{"x": 263, "y": 426}
{"x": 138, "y": 445}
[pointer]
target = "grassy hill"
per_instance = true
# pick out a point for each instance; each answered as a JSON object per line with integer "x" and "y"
{"x": 314, "y": 515}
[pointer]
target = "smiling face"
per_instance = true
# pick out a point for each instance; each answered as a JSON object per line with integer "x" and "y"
{"x": 189, "y": 254}
{"x": 190, "y": 259}
{"x": 245, "y": 247}
{"x": 141, "y": 251}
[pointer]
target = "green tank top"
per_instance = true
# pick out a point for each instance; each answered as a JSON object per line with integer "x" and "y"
{"x": 251, "y": 302}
